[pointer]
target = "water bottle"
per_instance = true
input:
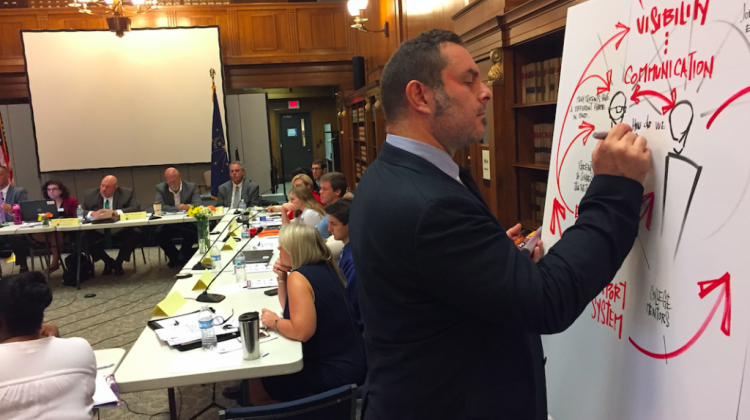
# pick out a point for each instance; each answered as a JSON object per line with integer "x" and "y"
{"x": 17, "y": 218}
{"x": 215, "y": 258}
{"x": 206, "y": 324}
{"x": 243, "y": 206}
{"x": 79, "y": 213}
{"x": 239, "y": 267}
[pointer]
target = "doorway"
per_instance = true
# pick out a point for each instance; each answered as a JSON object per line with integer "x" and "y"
{"x": 296, "y": 142}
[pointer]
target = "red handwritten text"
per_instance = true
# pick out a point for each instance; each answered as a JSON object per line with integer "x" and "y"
{"x": 606, "y": 307}
{"x": 687, "y": 68}
{"x": 677, "y": 16}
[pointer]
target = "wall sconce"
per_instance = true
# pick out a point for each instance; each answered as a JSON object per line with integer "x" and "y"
{"x": 355, "y": 9}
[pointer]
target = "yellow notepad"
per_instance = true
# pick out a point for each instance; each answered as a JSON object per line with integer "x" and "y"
{"x": 133, "y": 216}
{"x": 64, "y": 222}
{"x": 229, "y": 245}
{"x": 169, "y": 305}
{"x": 203, "y": 281}
{"x": 232, "y": 227}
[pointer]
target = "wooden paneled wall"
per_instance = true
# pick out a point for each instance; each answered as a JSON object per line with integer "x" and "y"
{"x": 263, "y": 45}
{"x": 407, "y": 19}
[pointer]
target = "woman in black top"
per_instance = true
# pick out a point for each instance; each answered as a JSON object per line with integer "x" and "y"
{"x": 317, "y": 313}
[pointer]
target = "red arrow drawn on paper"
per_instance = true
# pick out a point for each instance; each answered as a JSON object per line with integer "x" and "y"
{"x": 648, "y": 212}
{"x": 619, "y": 37}
{"x": 638, "y": 93}
{"x": 706, "y": 288}
{"x": 558, "y": 211}
{"x": 607, "y": 82}
{"x": 587, "y": 130}
{"x": 723, "y": 106}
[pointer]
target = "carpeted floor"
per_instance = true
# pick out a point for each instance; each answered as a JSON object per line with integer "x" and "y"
{"x": 114, "y": 318}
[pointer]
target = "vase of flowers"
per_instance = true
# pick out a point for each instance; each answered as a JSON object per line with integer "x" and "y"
{"x": 44, "y": 218}
{"x": 201, "y": 215}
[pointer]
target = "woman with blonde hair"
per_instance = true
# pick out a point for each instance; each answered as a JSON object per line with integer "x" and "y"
{"x": 316, "y": 313}
{"x": 302, "y": 180}
{"x": 306, "y": 210}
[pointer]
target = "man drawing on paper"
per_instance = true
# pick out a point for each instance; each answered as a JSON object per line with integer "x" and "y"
{"x": 459, "y": 270}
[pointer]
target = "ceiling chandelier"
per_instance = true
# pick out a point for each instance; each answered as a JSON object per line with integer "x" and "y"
{"x": 118, "y": 22}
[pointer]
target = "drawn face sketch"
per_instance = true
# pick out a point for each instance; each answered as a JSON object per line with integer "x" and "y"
{"x": 617, "y": 108}
{"x": 680, "y": 121}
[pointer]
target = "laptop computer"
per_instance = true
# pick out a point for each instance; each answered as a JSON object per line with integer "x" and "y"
{"x": 258, "y": 257}
{"x": 30, "y": 210}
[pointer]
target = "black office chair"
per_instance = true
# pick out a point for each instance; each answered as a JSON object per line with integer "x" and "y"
{"x": 336, "y": 404}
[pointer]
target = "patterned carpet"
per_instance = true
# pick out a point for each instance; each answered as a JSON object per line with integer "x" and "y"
{"x": 114, "y": 318}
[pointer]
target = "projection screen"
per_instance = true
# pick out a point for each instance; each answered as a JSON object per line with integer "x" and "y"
{"x": 99, "y": 101}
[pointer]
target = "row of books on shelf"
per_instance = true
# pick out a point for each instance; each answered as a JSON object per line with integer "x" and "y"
{"x": 543, "y": 143}
{"x": 540, "y": 81}
{"x": 362, "y": 134}
{"x": 538, "y": 198}
{"x": 358, "y": 114}
{"x": 360, "y": 169}
{"x": 363, "y": 152}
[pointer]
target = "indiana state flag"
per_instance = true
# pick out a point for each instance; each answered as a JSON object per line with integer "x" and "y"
{"x": 219, "y": 156}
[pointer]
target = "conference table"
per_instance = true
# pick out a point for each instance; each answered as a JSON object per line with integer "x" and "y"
{"x": 146, "y": 221}
{"x": 151, "y": 364}
{"x": 28, "y": 229}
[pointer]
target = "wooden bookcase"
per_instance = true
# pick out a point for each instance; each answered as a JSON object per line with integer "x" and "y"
{"x": 524, "y": 117}
{"x": 362, "y": 125}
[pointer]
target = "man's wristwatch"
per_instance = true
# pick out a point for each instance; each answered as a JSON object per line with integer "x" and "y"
{"x": 274, "y": 324}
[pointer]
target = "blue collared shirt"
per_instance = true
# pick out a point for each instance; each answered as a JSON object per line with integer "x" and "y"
{"x": 432, "y": 154}
{"x": 323, "y": 227}
{"x": 346, "y": 265}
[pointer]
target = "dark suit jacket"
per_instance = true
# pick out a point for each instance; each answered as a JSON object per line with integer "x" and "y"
{"x": 14, "y": 196}
{"x": 452, "y": 311}
{"x": 122, "y": 199}
{"x": 188, "y": 195}
{"x": 250, "y": 193}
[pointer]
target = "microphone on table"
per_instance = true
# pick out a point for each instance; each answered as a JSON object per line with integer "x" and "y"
{"x": 215, "y": 297}
{"x": 199, "y": 265}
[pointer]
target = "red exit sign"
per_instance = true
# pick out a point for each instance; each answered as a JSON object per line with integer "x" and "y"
{"x": 293, "y": 104}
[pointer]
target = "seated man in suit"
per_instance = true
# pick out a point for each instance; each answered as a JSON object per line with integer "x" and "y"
{"x": 111, "y": 200}
{"x": 238, "y": 188}
{"x": 10, "y": 195}
{"x": 176, "y": 195}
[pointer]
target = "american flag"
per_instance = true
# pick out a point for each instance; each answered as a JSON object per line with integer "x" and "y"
{"x": 4, "y": 156}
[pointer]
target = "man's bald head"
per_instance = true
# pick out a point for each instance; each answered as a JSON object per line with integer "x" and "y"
{"x": 173, "y": 178}
{"x": 108, "y": 186}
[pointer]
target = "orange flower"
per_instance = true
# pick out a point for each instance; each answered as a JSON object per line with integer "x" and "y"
{"x": 212, "y": 208}
{"x": 48, "y": 214}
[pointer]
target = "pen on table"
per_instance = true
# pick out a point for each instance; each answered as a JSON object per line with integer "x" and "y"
{"x": 105, "y": 366}
{"x": 265, "y": 354}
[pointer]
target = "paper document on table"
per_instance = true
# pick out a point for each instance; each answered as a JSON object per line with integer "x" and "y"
{"x": 185, "y": 329}
{"x": 261, "y": 283}
{"x": 103, "y": 394}
{"x": 205, "y": 361}
{"x": 266, "y": 243}
{"x": 229, "y": 289}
